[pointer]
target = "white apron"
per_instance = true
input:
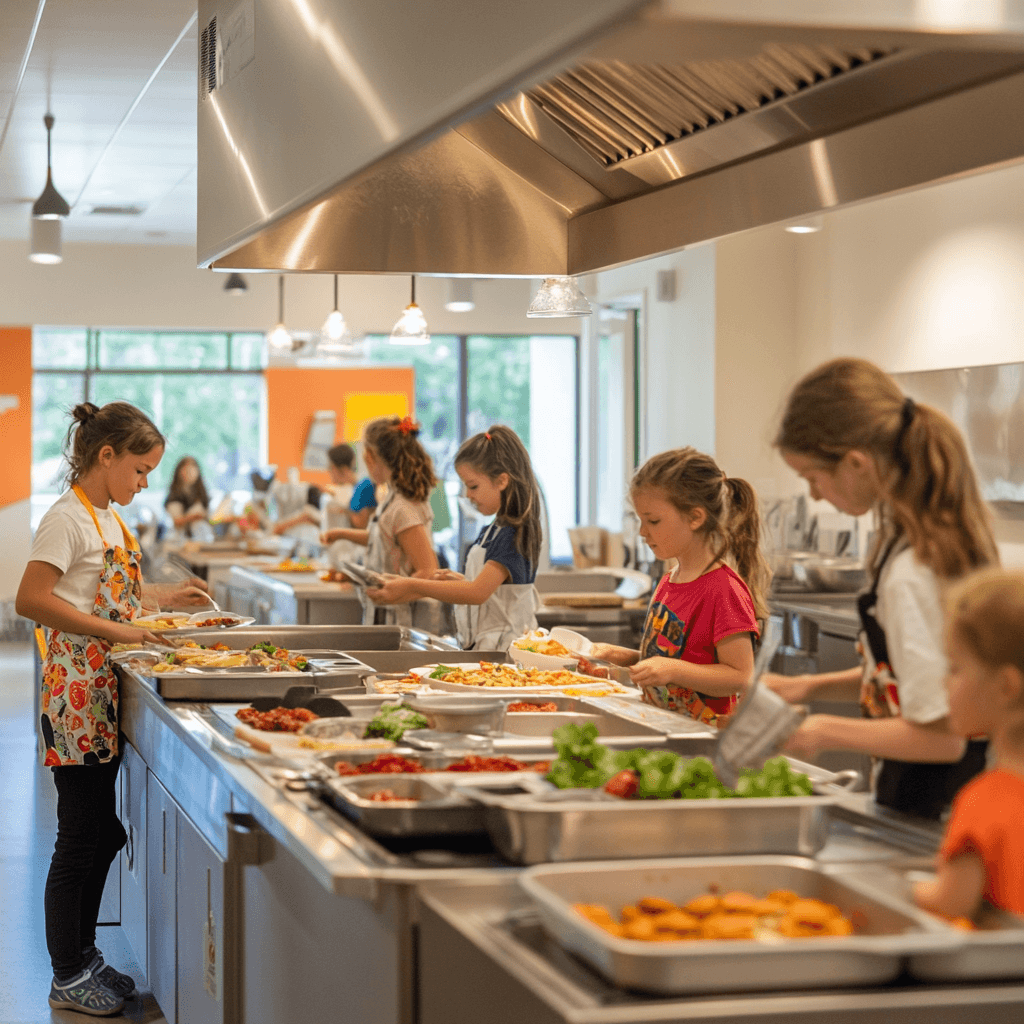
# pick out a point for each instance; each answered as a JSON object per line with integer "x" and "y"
{"x": 506, "y": 614}
{"x": 377, "y": 560}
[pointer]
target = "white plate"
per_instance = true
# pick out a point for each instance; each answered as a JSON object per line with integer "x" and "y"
{"x": 585, "y": 682}
{"x": 531, "y": 659}
{"x": 237, "y": 620}
{"x": 149, "y": 621}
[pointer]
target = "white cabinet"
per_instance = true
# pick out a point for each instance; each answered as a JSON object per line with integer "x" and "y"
{"x": 162, "y": 873}
{"x": 201, "y": 929}
{"x": 134, "y": 910}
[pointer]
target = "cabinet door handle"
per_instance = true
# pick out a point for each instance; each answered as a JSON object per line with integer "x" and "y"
{"x": 248, "y": 843}
{"x": 163, "y": 833}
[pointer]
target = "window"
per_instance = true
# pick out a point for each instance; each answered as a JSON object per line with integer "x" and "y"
{"x": 465, "y": 383}
{"x": 204, "y": 391}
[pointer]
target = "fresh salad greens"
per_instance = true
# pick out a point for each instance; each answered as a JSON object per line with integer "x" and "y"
{"x": 267, "y": 646}
{"x": 583, "y": 763}
{"x": 391, "y": 722}
{"x": 441, "y": 671}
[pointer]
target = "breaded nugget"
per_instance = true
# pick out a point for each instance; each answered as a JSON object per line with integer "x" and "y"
{"x": 729, "y": 926}
{"x": 655, "y": 905}
{"x": 737, "y": 902}
{"x": 703, "y": 905}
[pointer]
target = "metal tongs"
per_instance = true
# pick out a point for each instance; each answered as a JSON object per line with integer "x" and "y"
{"x": 761, "y": 724}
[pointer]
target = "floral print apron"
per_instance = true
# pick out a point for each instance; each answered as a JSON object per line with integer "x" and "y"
{"x": 79, "y": 699}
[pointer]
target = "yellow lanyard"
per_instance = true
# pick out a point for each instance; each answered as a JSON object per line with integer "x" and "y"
{"x": 131, "y": 544}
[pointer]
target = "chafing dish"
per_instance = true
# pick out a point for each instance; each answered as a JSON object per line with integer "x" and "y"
{"x": 887, "y": 928}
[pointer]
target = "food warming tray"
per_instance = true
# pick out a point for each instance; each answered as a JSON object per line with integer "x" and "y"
{"x": 331, "y": 670}
{"x": 573, "y": 825}
{"x": 888, "y": 929}
{"x": 436, "y": 812}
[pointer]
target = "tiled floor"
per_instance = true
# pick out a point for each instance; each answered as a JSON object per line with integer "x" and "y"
{"x": 27, "y": 827}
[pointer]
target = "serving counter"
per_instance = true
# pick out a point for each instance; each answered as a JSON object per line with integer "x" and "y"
{"x": 282, "y": 598}
{"x": 246, "y": 901}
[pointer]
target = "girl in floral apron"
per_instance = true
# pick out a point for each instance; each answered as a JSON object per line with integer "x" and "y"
{"x": 495, "y": 600}
{"x": 83, "y": 582}
{"x": 863, "y": 445}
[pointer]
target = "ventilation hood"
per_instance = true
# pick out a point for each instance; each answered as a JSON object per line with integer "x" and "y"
{"x": 541, "y": 137}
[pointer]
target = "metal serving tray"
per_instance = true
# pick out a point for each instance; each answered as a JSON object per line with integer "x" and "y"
{"x": 995, "y": 950}
{"x": 332, "y": 670}
{"x": 437, "y": 811}
{"x": 888, "y": 929}
{"x": 572, "y": 825}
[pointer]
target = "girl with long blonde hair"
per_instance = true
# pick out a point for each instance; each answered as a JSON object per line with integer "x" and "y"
{"x": 697, "y": 651}
{"x": 863, "y": 445}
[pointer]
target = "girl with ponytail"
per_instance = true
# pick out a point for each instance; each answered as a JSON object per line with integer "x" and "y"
{"x": 495, "y": 599}
{"x": 398, "y": 536}
{"x": 863, "y": 445}
{"x": 697, "y": 651}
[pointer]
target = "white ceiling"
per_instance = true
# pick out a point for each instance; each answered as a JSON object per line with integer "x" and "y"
{"x": 120, "y": 79}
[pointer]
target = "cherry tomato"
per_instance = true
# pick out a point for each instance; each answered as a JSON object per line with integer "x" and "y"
{"x": 624, "y": 784}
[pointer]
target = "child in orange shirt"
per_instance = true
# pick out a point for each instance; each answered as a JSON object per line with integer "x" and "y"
{"x": 983, "y": 851}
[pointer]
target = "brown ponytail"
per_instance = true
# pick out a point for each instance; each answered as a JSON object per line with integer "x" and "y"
{"x": 118, "y": 424}
{"x": 930, "y": 494}
{"x": 690, "y": 479}
{"x": 395, "y": 442}
{"x": 499, "y": 450}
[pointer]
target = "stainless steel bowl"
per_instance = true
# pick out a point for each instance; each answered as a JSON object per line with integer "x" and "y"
{"x": 483, "y": 716}
{"x": 843, "y": 575}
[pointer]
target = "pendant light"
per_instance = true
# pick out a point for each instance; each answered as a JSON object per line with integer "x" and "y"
{"x": 411, "y": 328}
{"x": 279, "y": 339}
{"x": 460, "y": 295}
{"x": 235, "y": 285}
{"x": 559, "y": 296}
{"x": 335, "y": 337}
{"x": 47, "y": 212}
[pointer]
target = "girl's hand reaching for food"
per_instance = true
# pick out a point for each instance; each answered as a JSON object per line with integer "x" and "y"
{"x": 655, "y": 672}
{"x": 123, "y": 633}
{"x": 613, "y": 653}
{"x": 792, "y": 689}
{"x": 396, "y": 590}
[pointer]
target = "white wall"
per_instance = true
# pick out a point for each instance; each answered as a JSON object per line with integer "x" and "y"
{"x": 159, "y": 286}
{"x": 17, "y": 537}
{"x": 679, "y": 370}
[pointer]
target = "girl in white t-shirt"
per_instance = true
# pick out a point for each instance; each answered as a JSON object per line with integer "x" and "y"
{"x": 862, "y": 444}
{"x": 398, "y": 537}
{"x": 83, "y": 581}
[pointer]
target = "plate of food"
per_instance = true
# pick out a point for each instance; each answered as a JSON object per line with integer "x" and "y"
{"x": 289, "y": 565}
{"x": 164, "y": 622}
{"x": 496, "y": 679}
{"x": 217, "y": 620}
{"x": 539, "y": 649}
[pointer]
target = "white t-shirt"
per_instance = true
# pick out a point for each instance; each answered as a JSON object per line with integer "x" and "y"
{"x": 909, "y": 609}
{"x": 67, "y": 539}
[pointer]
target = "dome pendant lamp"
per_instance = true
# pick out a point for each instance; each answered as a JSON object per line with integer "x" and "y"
{"x": 279, "y": 339}
{"x": 559, "y": 296}
{"x": 411, "y": 328}
{"x": 235, "y": 285}
{"x": 47, "y": 212}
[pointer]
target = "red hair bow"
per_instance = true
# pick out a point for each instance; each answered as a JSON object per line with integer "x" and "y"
{"x": 407, "y": 426}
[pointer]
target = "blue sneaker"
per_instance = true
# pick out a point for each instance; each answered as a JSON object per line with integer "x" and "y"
{"x": 85, "y": 994}
{"x": 122, "y": 985}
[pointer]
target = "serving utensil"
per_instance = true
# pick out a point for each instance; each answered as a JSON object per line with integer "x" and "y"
{"x": 761, "y": 724}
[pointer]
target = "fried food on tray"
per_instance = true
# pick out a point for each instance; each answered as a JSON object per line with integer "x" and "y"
{"x": 732, "y": 916}
{"x": 521, "y": 705}
{"x": 162, "y": 623}
{"x": 494, "y": 674}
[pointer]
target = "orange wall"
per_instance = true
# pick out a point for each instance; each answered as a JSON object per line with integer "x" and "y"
{"x": 16, "y": 424}
{"x": 293, "y": 395}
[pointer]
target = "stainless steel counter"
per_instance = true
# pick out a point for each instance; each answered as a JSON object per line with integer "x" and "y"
{"x": 323, "y": 906}
{"x": 294, "y": 597}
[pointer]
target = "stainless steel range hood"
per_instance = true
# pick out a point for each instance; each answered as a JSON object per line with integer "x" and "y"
{"x": 563, "y": 138}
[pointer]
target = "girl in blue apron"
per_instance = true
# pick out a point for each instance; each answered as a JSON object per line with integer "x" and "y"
{"x": 863, "y": 445}
{"x": 83, "y": 581}
{"x": 495, "y": 599}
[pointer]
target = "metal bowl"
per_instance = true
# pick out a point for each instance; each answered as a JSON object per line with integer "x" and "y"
{"x": 461, "y": 714}
{"x": 842, "y": 575}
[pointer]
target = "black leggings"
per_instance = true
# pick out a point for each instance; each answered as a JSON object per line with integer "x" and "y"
{"x": 89, "y": 837}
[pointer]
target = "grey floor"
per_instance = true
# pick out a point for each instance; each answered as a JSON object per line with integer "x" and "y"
{"x": 27, "y": 827}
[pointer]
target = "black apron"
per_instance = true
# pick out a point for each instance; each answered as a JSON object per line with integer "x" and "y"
{"x": 922, "y": 788}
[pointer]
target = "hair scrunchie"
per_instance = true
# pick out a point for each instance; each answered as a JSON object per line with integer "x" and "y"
{"x": 408, "y": 426}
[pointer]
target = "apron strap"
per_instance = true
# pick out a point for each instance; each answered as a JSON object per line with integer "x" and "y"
{"x": 130, "y": 543}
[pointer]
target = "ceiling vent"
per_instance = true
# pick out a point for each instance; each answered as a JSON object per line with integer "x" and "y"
{"x": 118, "y": 211}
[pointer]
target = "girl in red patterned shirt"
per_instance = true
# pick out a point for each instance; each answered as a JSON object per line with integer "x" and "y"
{"x": 697, "y": 651}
